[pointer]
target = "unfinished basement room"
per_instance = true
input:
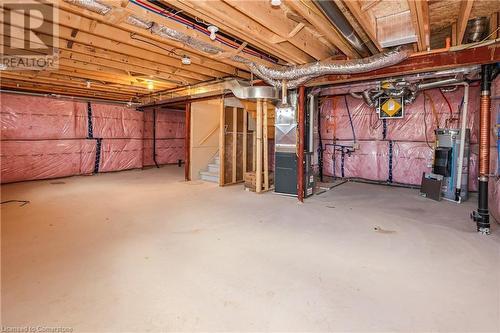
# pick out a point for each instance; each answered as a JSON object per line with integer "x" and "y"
{"x": 250, "y": 166}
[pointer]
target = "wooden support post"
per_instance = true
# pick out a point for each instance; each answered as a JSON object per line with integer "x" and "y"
{"x": 222, "y": 138}
{"x": 235, "y": 143}
{"x": 258, "y": 172}
{"x": 187, "y": 144}
{"x": 266, "y": 147}
{"x": 254, "y": 151}
{"x": 245, "y": 133}
{"x": 300, "y": 150}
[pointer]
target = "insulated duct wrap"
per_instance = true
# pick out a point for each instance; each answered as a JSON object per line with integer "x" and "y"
{"x": 138, "y": 22}
{"x": 166, "y": 32}
{"x": 325, "y": 67}
{"x": 293, "y": 75}
{"x": 91, "y": 5}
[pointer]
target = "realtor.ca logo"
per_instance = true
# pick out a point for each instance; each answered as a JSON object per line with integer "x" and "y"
{"x": 29, "y": 35}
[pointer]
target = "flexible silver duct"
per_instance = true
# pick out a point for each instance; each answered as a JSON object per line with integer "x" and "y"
{"x": 197, "y": 44}
{"x": 138, "y": 22}
{"x": 91, "y": 5}
{"x": 293, "y": 75}
{"x": 324, "y": 67}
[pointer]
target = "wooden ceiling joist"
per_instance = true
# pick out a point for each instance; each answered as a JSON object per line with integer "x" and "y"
{"x": 278, "y": 22}
{"x": 463, "y": 17}
{"x": 308, "y": 11}
{"x": 241, "y": 26}
{"x": 359, "y": 14}
{"x": 131, "y": 9}
{"x": 419, "y": 10}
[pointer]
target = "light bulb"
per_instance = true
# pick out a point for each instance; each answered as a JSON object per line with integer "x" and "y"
{"x": 150, "y": 85}
{"x": 88, "y": 84}
{"x": 213, "y": 29}
{"x": 186, "y": 60}
{"x": 275, "y": 3}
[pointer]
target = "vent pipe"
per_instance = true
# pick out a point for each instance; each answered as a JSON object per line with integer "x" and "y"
{"x": 335, "y": 15}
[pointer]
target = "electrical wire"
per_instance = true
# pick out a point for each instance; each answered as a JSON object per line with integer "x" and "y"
{"x": 170, "y": 52}
{"x": 350, "y": 118}
{"x": 187, "y": 23}
{"x": 449, "y": 105}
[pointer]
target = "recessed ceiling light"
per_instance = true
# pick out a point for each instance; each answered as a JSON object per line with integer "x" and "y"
{"x": 275, "y": 3}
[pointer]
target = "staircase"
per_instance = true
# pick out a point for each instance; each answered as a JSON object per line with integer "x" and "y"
{"x": 212, "y": 173}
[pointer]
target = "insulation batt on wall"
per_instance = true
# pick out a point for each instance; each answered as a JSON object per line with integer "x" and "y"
{"x": 405, "y": 140}
{"x": 49, "y": 138}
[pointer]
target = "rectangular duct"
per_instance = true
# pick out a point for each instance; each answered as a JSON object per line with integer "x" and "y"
{"x": 396, "y": 29}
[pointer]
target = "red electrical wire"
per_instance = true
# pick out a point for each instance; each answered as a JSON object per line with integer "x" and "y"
{"x": 447, "y": 102}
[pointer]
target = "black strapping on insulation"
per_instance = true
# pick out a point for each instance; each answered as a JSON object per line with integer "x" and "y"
{"x": 90, "y": 132}
{"x": 390, "y": 160}
{"x": 97, "y": 154}
{"x": 342, "y": 162}
{"x": 384, "y": 129}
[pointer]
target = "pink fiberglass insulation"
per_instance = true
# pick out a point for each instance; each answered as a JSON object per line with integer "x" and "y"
{"x": 168, "y": 151}
{"x": 411, "y": 154}
{"x": 367, "y": 162}
{"x": 47, "y": 137}
{"x": 41, "y": 118}
{"x": 27, "y": 160}
{"x": 494, "y": 198}
{"x": 335, "y": 119}
{"x": 116, "y": 122}
{"x": 170, "y": 136}
{"x": 120, "y": 154}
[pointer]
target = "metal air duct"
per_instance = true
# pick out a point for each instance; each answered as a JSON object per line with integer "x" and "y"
{"x": 335, "y": 15}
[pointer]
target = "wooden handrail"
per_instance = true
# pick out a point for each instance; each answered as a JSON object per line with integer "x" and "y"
{"x": 208, "y": 135}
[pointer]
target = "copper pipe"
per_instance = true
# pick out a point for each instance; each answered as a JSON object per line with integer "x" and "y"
{"x": 484, "y": 136}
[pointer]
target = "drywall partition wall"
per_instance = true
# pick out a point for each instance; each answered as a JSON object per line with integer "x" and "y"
{"x": 205, "y": 119}
{"x": 45, "y": 137}
{"x": 399, "y": 150}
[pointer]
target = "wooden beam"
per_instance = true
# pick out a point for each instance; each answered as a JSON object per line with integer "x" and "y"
{"x": 245, "y": 140}
{"x": 307, "y": 9}
{"x": 358, "y": 13}
{"x": 235, "y": 144}
{"x": 258, "y": 171}
{"x": 463, "y": 18}
{"x": 276, "y": 20}
{"x": 222, "y": 142}
{"x": 494, "y": 25}
{"x": 422, "y": 63}
{"x": 254, "y": 151}
{"x": 419, "y": 10}
{"x": 454, "y": 34}
{"x": 122, "y": 31}
{"x": 241, "y": 26}
{"x": 187, "y": 142}
{"x": 266, "y": 148}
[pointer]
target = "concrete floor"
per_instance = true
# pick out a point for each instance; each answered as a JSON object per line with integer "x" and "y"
{"x": 144, "y": 251}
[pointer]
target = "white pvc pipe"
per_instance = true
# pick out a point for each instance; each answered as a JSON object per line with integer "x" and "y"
{"x": 463, "y": 129}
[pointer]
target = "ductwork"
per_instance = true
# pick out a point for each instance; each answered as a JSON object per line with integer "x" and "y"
{"x": 476, "y": 29}
{"x": 301, "y": 73}
{"x": 293, "y": 75}
{"x": 91, "y": 5}
{"x": 335, "y": 15}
